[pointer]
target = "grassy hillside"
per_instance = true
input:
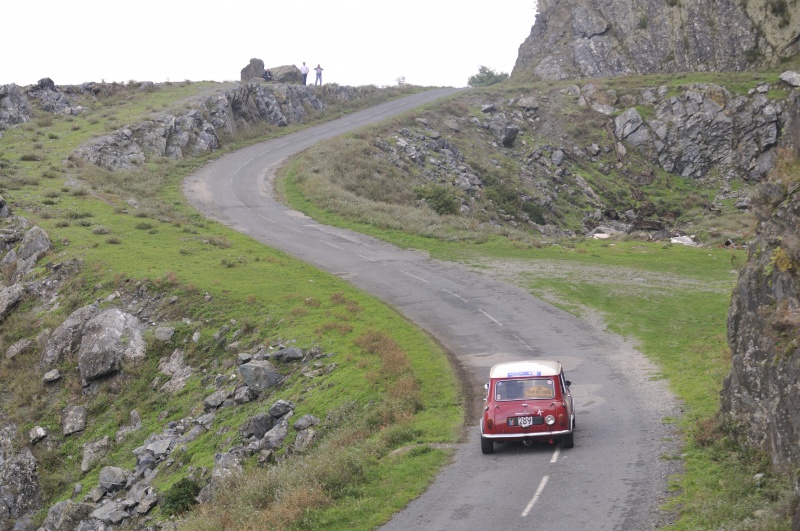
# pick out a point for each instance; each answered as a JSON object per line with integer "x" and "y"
{"x": 132, "y": 234}
{"x": 131, "y": 241}
{"x": 668, "y": 299}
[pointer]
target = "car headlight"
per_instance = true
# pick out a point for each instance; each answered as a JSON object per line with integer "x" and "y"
{"x": 550, "y": 420}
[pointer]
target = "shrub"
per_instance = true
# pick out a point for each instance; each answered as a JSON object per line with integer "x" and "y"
{"x": 180, "y": 497}
{"x": 441, "y": 199}
{"x": 485, "y": 77}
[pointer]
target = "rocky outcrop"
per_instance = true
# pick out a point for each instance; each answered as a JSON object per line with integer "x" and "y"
{"x": 695, "y": 131}
{"x": 705, "y": 127}
{"x": 593, "y": 38}
{"x": 19, "y": 482}
{"x": 288, "y": 74}
{"x": 197, "y": 131}
{"x": 760, "y": 394}
{"x": 34, "y": 246}
{"x": 14, "y": 107}
{"x": 51, "y": 99}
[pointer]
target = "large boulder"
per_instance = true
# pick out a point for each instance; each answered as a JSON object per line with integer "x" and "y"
{"x": 791, "y": 77}
{"x": 254, "y": 70}
{"x": 256, "y": 426}
{"x": 113, "y": 478}
{"x": 289, "y": 74}
{"x": 10, "y": 298}
{"x": 109, "y": 338}
{"x": 259, "y": 375}
{"x": 66, "y": 515}
{"x": 65, "y": 340}
{"x": 35, "y": 244}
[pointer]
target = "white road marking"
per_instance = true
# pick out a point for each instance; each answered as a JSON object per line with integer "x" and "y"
{"x": 535, "y": 496}
{"x": 265, "y": 217}
{"x": 248, "y": 161}
{"x": 521, "y": 341}
{"x": 490, "y": 317}
{"x": 367, "y": 259}
{"x": 454, "y": 295}
{"x": 292, "y": 228}
{"x": 332, "y": 245}
{"x": 555, "y": 454}
{"x": 415, "y": 276}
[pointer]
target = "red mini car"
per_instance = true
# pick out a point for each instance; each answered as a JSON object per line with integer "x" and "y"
{"x": 527, "y": 401}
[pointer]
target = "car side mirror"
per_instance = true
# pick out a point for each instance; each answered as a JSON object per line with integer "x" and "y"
{"x": 568, "y": 383}
{"x": 486, "y": 386}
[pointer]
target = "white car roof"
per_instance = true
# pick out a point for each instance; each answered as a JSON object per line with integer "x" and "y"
{"x": 517, "y": 369}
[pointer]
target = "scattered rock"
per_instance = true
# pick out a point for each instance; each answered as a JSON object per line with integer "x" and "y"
{"x": 36, "y": 434}
{"x": 113, "y": 478}
{"x": 109, "y": 338}
{"x": 259, "y": 375}
{"x": 73, "y": 419}
{"x": 20, "y": 347}
{"x": 93, "y": 452}
{"x": 791, "y": 77}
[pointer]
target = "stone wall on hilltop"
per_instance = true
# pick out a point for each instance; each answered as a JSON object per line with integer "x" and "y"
{"x": 604, "y": 38}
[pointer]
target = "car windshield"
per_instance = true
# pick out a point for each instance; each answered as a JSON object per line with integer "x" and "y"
{"x": 538, "y": 388}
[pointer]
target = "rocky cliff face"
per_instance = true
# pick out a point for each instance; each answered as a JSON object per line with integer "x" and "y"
{"x": 602, "y": 38}
{"x": 761, "y": 393}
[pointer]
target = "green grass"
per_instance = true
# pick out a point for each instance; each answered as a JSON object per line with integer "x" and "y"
{"x": 670, "y": 300}
{"x": 217, "y": 280}
{"x": 167, "y": 250}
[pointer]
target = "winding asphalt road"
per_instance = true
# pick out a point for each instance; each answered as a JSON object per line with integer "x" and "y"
{"x": 614, "y": 477}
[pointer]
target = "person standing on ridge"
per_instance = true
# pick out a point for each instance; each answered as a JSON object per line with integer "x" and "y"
{"x": 304, "y": 72}
{"x": 318, "y": 70}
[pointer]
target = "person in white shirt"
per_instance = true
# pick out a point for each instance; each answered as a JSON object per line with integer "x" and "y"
{"x": 304, "y": 71}
{"x": 318, "y": 70}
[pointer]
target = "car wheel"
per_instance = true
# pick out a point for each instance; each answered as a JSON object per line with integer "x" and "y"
{"x": 568, "y": 441}
{"x": 487, "y": 445}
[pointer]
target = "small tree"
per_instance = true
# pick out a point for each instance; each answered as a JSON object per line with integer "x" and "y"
{"x": 485, "y": 77}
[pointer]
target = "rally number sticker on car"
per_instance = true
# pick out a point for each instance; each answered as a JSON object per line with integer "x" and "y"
{"x": 524, "y": 422}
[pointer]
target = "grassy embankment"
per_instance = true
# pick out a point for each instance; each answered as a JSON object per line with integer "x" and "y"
{"x": 670, "y": 299}
{"x": 392, "y": 385}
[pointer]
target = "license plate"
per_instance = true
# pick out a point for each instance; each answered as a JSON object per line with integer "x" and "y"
{"x": 524, "y": 422}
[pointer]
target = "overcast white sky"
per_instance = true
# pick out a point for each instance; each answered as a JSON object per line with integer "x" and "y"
{"x": 357, "y": 42}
